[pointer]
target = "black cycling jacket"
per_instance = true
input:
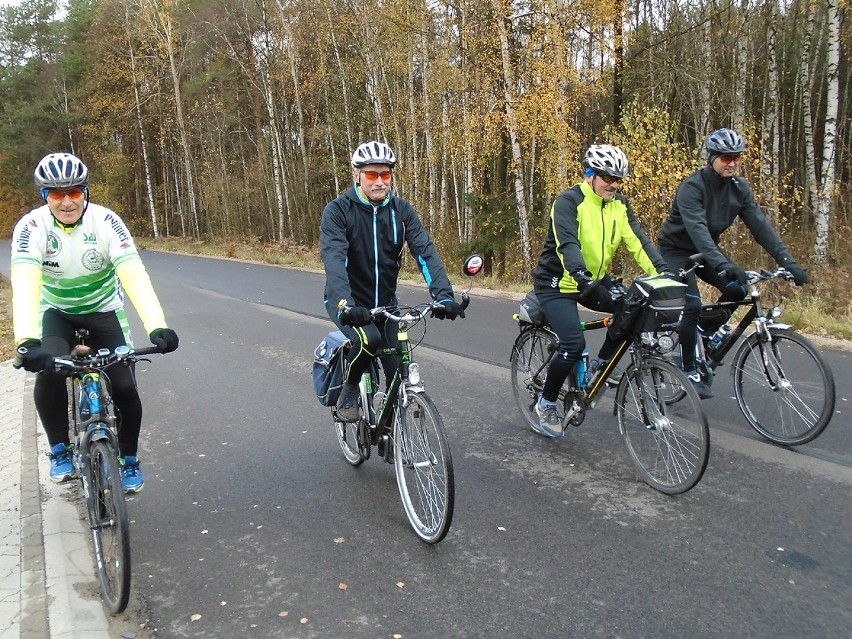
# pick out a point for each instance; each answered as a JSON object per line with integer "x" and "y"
{"x": 705, "y": 206}
{"x": 362, "y": 250}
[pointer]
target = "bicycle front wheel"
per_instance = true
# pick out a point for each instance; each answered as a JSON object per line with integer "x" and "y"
{"x": 110, "y": 528}
{"x": 347, "y": 437}
{"x": 529, "y": 361}
{"x": 424, "y": 468}
{"x": 784, "y": 387}
{"x": 668, "y": 443}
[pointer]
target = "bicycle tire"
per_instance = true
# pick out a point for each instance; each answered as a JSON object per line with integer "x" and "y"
{"x": 669, "y": 444}
{"x": 109, "y": 525}
{"x": 530, "y": 352}
{"x": 795, "y": 402}
{"x": 424, "y": 467}
{"x": 347, "y": 437}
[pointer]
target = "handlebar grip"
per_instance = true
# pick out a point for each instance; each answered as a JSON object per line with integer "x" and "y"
{"x": 19, "y": 356}
{"x": 148, "y": 350}
{"x": 465, "y": 300}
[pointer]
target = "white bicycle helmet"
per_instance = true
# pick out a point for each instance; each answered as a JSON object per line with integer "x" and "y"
{"x": 61, "y": 171}
{"x": 606, "y": 159}
{"x": 725, "y": 141}
{"x": 373, "y": 152}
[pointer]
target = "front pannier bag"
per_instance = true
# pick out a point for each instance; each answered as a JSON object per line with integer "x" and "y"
{"x": 653, "y": 303}
{"x": 328, "y": 368}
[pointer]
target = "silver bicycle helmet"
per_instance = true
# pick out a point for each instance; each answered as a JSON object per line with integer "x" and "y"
{"x": 606, "y": 159}
{"x": 725, "y": 141}
{"x": 373, "y": 152}
{"x": 61, "y": 171}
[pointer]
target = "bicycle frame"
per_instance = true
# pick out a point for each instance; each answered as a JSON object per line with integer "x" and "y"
{"x": 756, "y": 315}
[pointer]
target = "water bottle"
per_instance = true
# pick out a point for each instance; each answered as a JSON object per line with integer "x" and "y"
{"x": 719, "y": 336}
{"x": 583, "y": 369}
{"x": 85, "y": 408}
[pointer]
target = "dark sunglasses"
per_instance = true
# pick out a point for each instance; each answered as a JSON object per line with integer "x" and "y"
{"x": 609, "y": 179}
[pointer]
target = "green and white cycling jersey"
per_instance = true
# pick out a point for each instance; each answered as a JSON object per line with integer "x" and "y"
{"x": 80, "y": 270}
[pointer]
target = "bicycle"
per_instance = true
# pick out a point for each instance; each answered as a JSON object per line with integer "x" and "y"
{"x": 783, "y": 386}
{"x": 668, "y": 443}
{"x": 96, "y": 459}
{"x": 404, "y": 425}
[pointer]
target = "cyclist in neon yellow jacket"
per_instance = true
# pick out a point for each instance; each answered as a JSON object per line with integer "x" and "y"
{"x": 588, "y": 223}
{"x": 71, "y": 260}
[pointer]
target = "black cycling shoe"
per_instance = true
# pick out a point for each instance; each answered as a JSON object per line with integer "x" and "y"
{"x": 698, "y": 384}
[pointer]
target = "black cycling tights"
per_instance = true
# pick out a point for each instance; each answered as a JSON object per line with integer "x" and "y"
{"x": 51, "y": 393}
{"x": 379, "y": 334}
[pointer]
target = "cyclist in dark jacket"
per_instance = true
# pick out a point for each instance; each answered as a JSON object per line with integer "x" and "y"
{"x": 363, "y": 233}
{"x": 588, "y": 223}
{"x": 706, "y": 205}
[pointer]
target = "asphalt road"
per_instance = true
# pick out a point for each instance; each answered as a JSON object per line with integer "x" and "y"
{"x": 252, "y": 524}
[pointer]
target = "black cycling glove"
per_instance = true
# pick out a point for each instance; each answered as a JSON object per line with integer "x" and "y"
{"x": 733, "y": 272}
{"x": 355, "y": 316}
{"x": 33, "y": 358}
{"x": 800, "y": 275}
{"x": 165, "y": 339}
{"x": 451, "y": 310}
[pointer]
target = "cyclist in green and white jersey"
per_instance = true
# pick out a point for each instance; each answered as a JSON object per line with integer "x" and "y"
{"x": 71, "y": 261}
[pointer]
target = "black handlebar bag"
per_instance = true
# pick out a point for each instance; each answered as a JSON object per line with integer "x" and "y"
{"x": 653, "y": 304}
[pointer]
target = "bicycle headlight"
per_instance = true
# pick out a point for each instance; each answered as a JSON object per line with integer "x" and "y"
{"x": 665, "y": 343}
{"x": 776, "y": 311}
{"x": 414, "y": 373}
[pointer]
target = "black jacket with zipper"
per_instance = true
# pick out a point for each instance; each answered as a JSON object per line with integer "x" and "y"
{"x": 362, "y": 247}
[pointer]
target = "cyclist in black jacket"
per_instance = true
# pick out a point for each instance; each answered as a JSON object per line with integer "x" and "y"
{"x": 706, "y": 205}
{"x": 363, "y": 233}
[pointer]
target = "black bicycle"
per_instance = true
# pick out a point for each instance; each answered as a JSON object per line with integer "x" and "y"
{"x": 782, "y": 384}
{"x": 405, "y": 426}
{"x": 668, "y": 443}
{"x": 96, "y": 459}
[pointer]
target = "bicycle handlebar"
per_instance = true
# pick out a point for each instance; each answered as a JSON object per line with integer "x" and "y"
{"x": 414, "y": 313}
{"x": 78, "y": 362}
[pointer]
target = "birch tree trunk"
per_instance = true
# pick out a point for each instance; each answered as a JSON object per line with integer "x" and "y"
{"x": 805, "y": 80}
{"x": 829, "y": 150}
{"x": 517, "y": 159}
{"x": 769, "y": 131}
{"x": 143, "y": 143}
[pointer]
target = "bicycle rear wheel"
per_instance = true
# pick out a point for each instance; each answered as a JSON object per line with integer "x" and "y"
{"x": 110, "y": 528}
{"x": 424, "y": 468}
{"x": 530, "y": 356}
{"x": 784, "y": 387}
{"x": 668, "y": 443}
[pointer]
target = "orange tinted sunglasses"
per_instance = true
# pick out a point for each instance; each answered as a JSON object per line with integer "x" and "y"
{"x": 730, "y": 158}
{"x": 375, "y": 175}
{"x": 609, "y": 179}
{"x": 57, "y": 195}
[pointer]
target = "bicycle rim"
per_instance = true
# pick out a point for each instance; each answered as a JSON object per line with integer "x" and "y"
{"x": 784, "y": 387}
{"x": 110, "y": 528}
{"x": 668, "y": 443}
{"x": 347, "y": 437}
{"x": 530, "y": 354}
{"x": 424, "y": 468}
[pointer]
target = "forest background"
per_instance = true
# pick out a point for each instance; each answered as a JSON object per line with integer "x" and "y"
{"x": 231, "y": 122}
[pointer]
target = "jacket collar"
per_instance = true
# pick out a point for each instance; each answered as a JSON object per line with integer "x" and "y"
{"x": 359, "y": 194}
